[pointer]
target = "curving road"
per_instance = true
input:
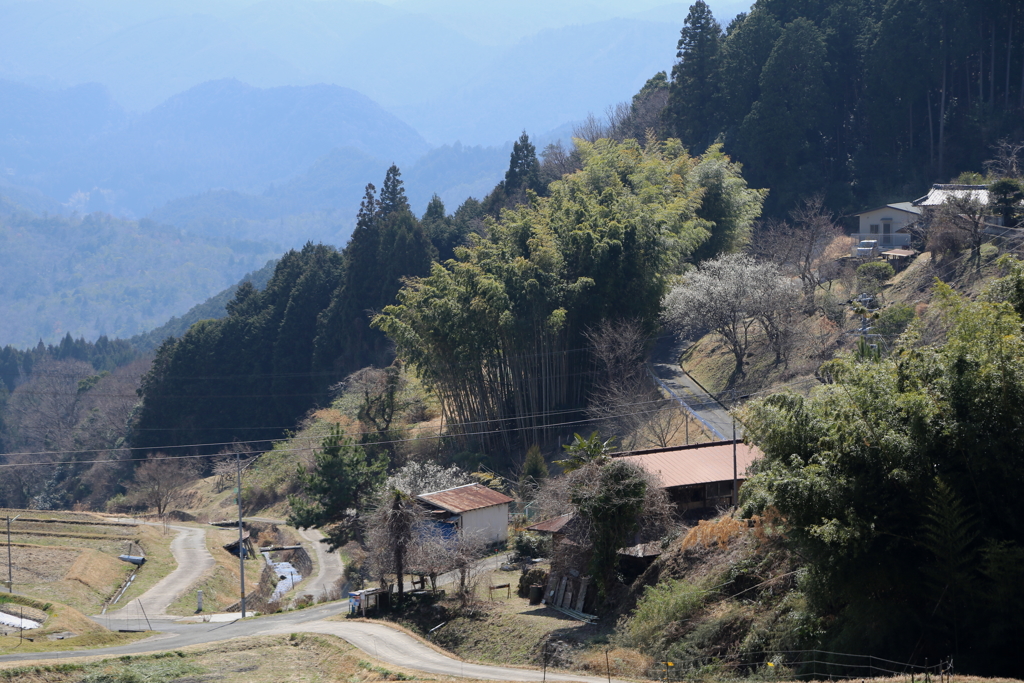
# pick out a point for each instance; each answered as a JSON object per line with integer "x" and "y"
{"x": 194, "y": 560}
{"x": 376, "y": 640}
{"x": 329, "y": 566}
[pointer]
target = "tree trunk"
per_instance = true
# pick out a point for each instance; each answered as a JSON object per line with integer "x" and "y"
{"x": 931, "y": 134}
{"x": 1009, "y": 50}
{"x": 942, "y": 117}
{"x": 992, "y": 67}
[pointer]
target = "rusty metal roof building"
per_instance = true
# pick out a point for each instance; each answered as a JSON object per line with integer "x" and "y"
{"x": 553, "y": 525}
{"x": 465, "y": 498}
{"x": 698, "y": 464}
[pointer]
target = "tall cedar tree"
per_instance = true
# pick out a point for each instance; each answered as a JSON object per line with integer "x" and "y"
{"x": 859, "y": 101}
{"x": 255, "y": 373}
{"x": 694, "y": 78}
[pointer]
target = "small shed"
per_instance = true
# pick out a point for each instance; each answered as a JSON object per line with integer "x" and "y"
{"x": 699, "y": 476}
{"x": 473, "y": 508}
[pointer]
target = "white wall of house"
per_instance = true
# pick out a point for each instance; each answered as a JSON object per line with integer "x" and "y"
{"x": 490, "y": 522}
{"x": 882, "y": 225}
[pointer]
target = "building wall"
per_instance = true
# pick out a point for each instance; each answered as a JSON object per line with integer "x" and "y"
{"x": 880, "y": 217}
{"x": 490, "y": 522}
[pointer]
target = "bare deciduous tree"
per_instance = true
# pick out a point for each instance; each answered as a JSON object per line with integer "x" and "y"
{"x": 804, "y": 247}
{"x": 160, "y": 481}
{"x": 1007, "y": 160}
{"x": 963, "y": 212}
{"x": 43, "y": 414}
{"x": 624, "y": 397}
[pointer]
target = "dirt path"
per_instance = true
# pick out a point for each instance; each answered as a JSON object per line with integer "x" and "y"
{"x": 194, "y": 560}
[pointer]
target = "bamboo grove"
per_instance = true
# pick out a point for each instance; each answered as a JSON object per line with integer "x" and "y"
{"x": 499, "y": 332}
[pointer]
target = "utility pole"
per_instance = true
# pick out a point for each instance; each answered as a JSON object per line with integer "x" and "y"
{"x": 241, "y": 547}
{"x": 735, "y": 474}
{"x": 10, "y": 570}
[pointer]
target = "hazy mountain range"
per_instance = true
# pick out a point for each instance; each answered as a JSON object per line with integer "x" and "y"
{"x": 263, "y": 121}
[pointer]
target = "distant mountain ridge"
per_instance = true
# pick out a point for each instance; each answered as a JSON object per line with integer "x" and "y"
{"x": 321, "y": 204}
{"x": 222, "y": 134}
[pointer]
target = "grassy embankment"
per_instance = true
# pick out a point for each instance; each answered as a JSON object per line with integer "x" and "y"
{"x": 819, "y": 337}
{"x": 71, "y": 557}
{"x": 63, "y": 628}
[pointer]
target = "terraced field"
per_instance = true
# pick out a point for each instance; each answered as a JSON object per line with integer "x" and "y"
{"x": 72, "y": 557}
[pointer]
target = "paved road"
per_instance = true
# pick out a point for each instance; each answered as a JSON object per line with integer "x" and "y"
{"x": 329, "y": 566}
{"x": 377, "y": 640}
{"x": 194, "y": 560}
{"x": 682, "y": 387}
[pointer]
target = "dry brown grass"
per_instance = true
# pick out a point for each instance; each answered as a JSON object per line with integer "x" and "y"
{"x": 62, "y": 619}
{"x": 714, "y": 532}
{"x": 297, "y": 658}
{"x": 98, "y": 571}
{"x": 617, "y": 661}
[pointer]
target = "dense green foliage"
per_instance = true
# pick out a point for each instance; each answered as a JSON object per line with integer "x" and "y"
{"x": 338, "y": 488}
{"x": 98, "y": 275}
{"x": 865, "y": 101}
{"x": 498, "y": 333}
{"x": 255, "y": 373}
{"x": 899, "y": 482}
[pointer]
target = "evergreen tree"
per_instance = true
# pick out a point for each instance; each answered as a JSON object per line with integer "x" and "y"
{"x": 392, "y": 195}
{"x": 784, "y": 133}
{"x": 695, "y": 79}
{"x": 523, "y": 169}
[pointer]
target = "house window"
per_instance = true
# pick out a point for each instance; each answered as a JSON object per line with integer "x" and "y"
{"x": 874, "y": 229}
{"x": 886, "y": 233}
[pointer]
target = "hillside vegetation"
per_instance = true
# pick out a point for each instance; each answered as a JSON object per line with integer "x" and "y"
{"x": 96, "y": 275}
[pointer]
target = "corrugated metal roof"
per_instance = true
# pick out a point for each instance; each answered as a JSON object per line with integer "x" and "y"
{"x": 690, "y": 465}
{"x": 465, "y": 498}
{"x": 553, "y": 525}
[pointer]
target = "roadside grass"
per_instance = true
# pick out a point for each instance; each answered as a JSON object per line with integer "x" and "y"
{"x": 221, "y": 586}
{"x": 159, "y": 561}
{"x": 78, "y": 631}
{"x": 297, "y": 658}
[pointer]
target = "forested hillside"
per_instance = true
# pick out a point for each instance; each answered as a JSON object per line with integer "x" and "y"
{"x": 867, "y": 102}
{"x": 98, "y": 275}
{"x": 213, "y": 308}
{"x": 499, "y": 332}
{"x": 255, "y": 373}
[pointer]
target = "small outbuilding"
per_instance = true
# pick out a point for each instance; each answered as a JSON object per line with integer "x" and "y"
{"x": 473, "y": 508}
{"x": 698, "y": 477}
